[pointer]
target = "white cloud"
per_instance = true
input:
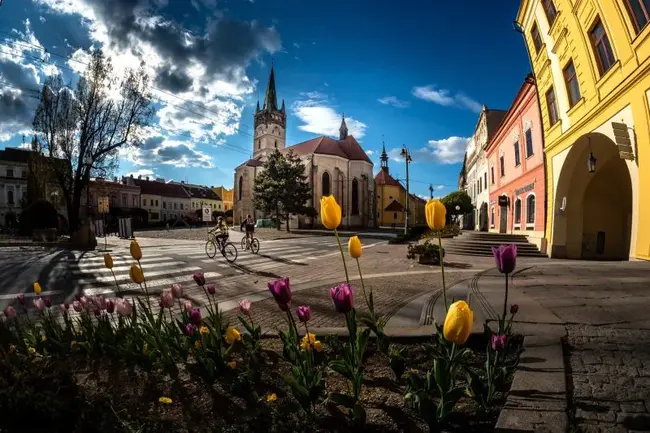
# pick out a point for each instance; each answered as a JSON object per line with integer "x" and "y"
{"x": 445, "y": 98}
{"x": 144, "y": 172}
{"x": 449, "y": 150}
{"x": 369, "y": 152}
{"x": 394, "y": 101}
{"x": 296, "y": 45}
{"x": 319, "y": 117}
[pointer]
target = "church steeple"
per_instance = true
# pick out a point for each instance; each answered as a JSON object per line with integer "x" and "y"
{"x": 271, "y": 97}
{"x": 270, "y": 122}
{"x": 343, "y": 130}
{"x": 384, "y": 157}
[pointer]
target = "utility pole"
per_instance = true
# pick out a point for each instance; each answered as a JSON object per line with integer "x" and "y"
{"x": 407, "y": 158}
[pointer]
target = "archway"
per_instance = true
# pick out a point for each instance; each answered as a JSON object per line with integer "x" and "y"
{"x": 483, "y": 217}
{"x": 595, "y": 221}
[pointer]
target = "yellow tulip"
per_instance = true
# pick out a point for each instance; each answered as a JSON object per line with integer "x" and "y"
{"x": 436, "y": 214}
{"x": 271, "y": 398}
{"x": 330, "y": 212}
{"x": 232, "y": 364}
{"x": 108, "y": 261}
{"x": 197, "y": 344}
{"x": 135, "y": 250}
{"x": 232, "y": 335}
{"x": 204, "y": 330}
{"x": 309, "y": 341}
{"x": 165, "y": 400}
{"x": 354, "y": 247}
{"x": 37, "y": 288}
{"x": 136, "y": 274}
{"x": 458, "y": 323}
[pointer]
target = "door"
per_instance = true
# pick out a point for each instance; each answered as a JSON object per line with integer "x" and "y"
{"x": 503, "y": 219}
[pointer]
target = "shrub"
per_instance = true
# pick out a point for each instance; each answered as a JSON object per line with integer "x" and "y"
{"x": 427, "y": 251}
{"x": 40, "y": 215}
{"x": 449, "y": 230}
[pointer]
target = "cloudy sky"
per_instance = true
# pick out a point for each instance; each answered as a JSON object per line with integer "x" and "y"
{"x": 415, "y": 75}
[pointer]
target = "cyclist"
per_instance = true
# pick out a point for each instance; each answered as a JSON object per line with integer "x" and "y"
{"x": 249, "y": 223}
{"x": 222, "y": 231}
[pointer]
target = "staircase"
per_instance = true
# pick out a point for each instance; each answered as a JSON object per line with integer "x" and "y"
{"x": 471, "y": 243}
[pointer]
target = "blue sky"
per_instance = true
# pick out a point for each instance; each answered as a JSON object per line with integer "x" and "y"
{"x": 416, "y": 74}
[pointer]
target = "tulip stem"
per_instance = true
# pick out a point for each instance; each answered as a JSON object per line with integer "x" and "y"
{"x": 345, "y": 267}
{"x": 363, "y": 288}
{"x": 441, "y": 256}
{"x": 146, "y": 290}
{"x": 505, "y": 305}
{"x": 119, "y": 294}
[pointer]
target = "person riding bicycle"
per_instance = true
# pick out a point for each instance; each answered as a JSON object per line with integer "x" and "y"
{"x": 249, "y": 223}
{"x": 221, "y": 230}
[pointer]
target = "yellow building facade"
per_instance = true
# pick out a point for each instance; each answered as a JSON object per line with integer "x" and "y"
{"x": 591, "y": 59}
{"x": 226, "y": 196}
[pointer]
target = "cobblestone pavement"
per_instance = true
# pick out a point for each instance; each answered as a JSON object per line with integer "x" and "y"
{"x": 198, "y": 233}
{"x": 604, "y": 306}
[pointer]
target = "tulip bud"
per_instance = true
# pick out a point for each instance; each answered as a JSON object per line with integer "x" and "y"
{"x": 195, "y": 316}
{"x": 37, "y": 288}
{"x": 110, "y": 306}
{"x": 135, "y": 250}
{"x": 245, "y": 307}
{"x": 354, "y": 247}
{"x": 281, "y": 291}
{"x": 167, "y": 299}
{"x": 330, "y": 212}
{"x": 436, "y": 214}
{"x": 123, "y": 308}
{"x": 136, "y": 274}
{"x": 190, "y": 329}
{"x": 199, "y": 278}
{"x": 505, "y": 257}
{"x": 514, "y": 308}
{"x": 187, "y": 307}
{"x": 232, "y": 335}
{"x": 10, "y": 312}
{"x": 498, "y": 342}
{"x": 212, "y": 289}
{"x": 304, "y": 313}
{"x": 458, "y": 323}
{"x": 108, "y": 261}
{"x": 39, "y": 304}
{"x": 177, "y": 290}
{"x": 343, "y": 298}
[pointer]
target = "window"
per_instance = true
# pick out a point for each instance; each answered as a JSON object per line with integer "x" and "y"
{"x": 492, "y": 217}
{"x": 355, "y": 197}
{"x": 602, "y": 47}
{"x": 241, "y": 185}
{"x": 537, "y": 39}
{"x": 134, "y": 199}
{"x": 529, "y": 143}
{"x": 551, "y": 106}
{"x": 175, "y": 204}
{"x": 276, "y": 144}
{"x": 530, "y": 209}
{"x": 325, "y": 189}
{"x": 517, "y": 155}
{"x": 518, "y": 211}
{"x": 639, "y": 11}
{"x": 181, "y": 206}
{"x": 485, "y": 179}
{"x": 571, "y": 82}
{"x": 10, "y": 172}
{"x": 492, "y": 174}
{"x": 10, "y": 197}
{"x": 125, "y": 200}
{"x": 259, "y": 144}
{"x": 24, "y": 174}
{"x": 144, "y": 202}
{"x": 503, "y": 165}
{"x": 164, "y": 205}
{"x": 394, "y": 215}
{"x": 156, "y": 202}
{"x": 549, "y": 9}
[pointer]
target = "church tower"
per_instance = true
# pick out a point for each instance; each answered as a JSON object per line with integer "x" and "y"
{"x": 384, "y": 158}
{"x": 343, "y": 129}
{"x": 270, "y": 122}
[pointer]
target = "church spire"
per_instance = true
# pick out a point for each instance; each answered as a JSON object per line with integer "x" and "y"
{"x": 384, "y": 157}
{"x": 343, "y": 130}
{"x": 271, "y": 98}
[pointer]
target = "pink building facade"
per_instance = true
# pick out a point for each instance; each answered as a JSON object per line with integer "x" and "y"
{"x": 516, "y": 174}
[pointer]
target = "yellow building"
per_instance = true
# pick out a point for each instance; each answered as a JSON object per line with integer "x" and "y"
{"x": 391, "y": 199}
{"x": 591, "y": 61}
{"x": 225, "y": 194}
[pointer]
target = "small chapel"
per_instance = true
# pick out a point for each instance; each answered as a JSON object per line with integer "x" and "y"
{"x": 338, "y": 167}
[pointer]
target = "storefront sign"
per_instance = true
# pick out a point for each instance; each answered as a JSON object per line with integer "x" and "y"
{"x": 524, "y": 189}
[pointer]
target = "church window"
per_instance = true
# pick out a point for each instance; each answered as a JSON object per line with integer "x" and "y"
{"x": 394, "y": 215}
{"x": 259, "y": 144}
{"x": 326, "y": 184}
{"x": 276, "y": 144}
{"x": 241, "y": 186}
{"x": 355, "y": 197}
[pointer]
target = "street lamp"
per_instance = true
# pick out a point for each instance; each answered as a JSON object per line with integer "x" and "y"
{"x": 457, "y": 213}
{"x": 431, "y": 191}
{"x": 591, "y": 159}
{"x": 407, "y": 158}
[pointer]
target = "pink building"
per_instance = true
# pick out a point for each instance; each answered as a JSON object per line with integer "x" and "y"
{"x": 516, "y": 170}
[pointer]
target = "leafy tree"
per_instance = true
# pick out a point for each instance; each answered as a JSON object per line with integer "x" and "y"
{"x": 90, "y": 124}
{"x": 460, "y": 199}
{"x": 281, "y": 188}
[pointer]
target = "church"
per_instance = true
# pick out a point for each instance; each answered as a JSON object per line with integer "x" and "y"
{"x": 333, "y": 167}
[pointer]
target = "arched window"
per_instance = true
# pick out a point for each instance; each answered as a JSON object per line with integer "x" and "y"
{"x": 276, "y": 144}
{"x": 492, "y": 217}
{"x": 241, "y": 186}
{"x": 355, "y": 197}
{"x": 518, "y": 211}
{"x": 530, "y": 209}
{"x": 326, "y": 190}
{"x": 259, "y": 144}
{"x": 10, "y": 197}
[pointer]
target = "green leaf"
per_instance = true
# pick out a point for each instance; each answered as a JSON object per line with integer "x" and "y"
{"x": 342, "y": 368}
{"x": 362, "y": 341}
{"x": 441, "y": 374}
{"x": 359, "y": 415}
{"x": 341, "y": 399}
{"x": 296, "y": 387}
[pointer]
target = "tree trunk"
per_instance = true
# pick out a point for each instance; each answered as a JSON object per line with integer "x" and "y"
{"x": 288, "y": 229}
{"x": 277, "y": 216}
{"x": 74, "y": 207}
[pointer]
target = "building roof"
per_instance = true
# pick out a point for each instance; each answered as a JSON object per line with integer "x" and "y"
{"x": 493, "y": 119}
{"x": 15, "y": 155}
{"x": 383, "y": 178}
{"x": 348, "y": 148}
{"x": 154, "y": 187}
{"x": 394, "y": 206}
{"x": 201, "y": 192}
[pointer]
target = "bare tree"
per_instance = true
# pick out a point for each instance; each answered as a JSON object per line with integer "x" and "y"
{"x": 82, "y": 130}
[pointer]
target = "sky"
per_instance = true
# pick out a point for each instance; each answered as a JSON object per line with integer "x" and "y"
{"x": 416, "y": 74}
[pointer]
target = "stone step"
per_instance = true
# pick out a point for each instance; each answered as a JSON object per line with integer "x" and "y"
{"x": 488, "y": 253}
{"x": 480, "y": 244}
{"x": 491, "y": 236}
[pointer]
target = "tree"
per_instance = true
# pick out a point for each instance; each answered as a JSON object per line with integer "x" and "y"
{"x": 90, "y": 124}
{"x": 281, "y": 189}
{"x": 460, "y": 199}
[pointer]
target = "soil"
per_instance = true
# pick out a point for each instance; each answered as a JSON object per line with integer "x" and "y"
{"x": 98, "y": 396}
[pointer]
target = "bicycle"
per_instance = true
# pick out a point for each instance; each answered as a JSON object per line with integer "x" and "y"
{"x": 252, "y": 243}
{"x": 228, "y": 249}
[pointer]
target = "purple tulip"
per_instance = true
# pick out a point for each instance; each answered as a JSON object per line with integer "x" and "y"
{"x": 498, "y": 342}
{"x": 167, "y": 299}
{"x": 212, "y": 289}
{"x": 48, "y": 302}
{"x": 10, "y": 312}
{"x": 39, "y": 304}
{"x": 245, "y": 307}
{"x": 343, "y": 298}
{"x": 190, "y": 329}
{"x": 281, "y": 291}
{"x": 199, "y": 278}
{"x": 110, "y": 306}
{"x": 123, "y": 308}
{"x": 505, "y": 257}
{"x": 78, "y": 297}
{"x": 514, "y": 308}
{"x": 304, "y": 313}
{"x": 177, "y": 291}
{"x": 21, "y": 298}
{"x": 195, "y": 316}
{"x": 77, "y": 306}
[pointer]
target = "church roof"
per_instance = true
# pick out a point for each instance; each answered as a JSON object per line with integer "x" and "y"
{"x": 348, "y": 148}
{"x": 383, "y": 178}
{"x": 253, "y": 162}
{"x": 271, "y": 98}
{"x": 394, "y": 206}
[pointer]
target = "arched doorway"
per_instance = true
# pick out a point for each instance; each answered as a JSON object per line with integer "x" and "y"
{"x": 593, "y": 218}
{"x": 483, "y": 217}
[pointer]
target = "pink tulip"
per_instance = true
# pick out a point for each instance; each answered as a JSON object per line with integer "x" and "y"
{"x": 100, "y": 302}
{"x": 190, "y": 329}
{"x": 123, "y": 308}
{"x": 84, "y": 301}
{"x": 63, "y": 308}
{"x": 281, "y": 291}
{"x": 343, "y": 298}
{"x": 177, "y": 291}
{"x": 304, "y": 313}
{"x": 199, "y": 278}
{"x": 39, "y": 304}
{"x": 498, "y": 342}
{"x": 10, "y": 312}
{"x": 167, "y": 299}
{"x": 21, "y": 298}
{"x": 212, "y": 289}
{"x": 245, "y": 307}
{"x": 187, "y": 307}
{"x": 77, "y": 306}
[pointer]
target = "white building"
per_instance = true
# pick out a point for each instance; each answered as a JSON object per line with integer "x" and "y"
{"x": 13, "y": 182}
{"x": 163, "y": 201}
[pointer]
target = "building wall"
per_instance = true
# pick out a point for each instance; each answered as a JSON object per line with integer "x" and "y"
{"x": 174, "y": 207}
{"x": 153, "y": 205}
{"x": 618, "y": 95}
{"x": 226, "y": 196}
{"x": 12, "y": 188}
{"x": 385, "y": 194}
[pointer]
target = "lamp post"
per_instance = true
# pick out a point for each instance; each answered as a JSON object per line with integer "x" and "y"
{"x": 431, "y": 190}
{"x": 407, "y": 158}
{"x": 457, "y": 211}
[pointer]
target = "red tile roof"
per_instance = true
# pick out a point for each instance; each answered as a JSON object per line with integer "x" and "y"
{"x": 383, "y": 178}
{"x": 348, "y": 148}
{"x": 395, "y": 206}
{"x": 162, "y": 189}
{"x": 201, "y": 192}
